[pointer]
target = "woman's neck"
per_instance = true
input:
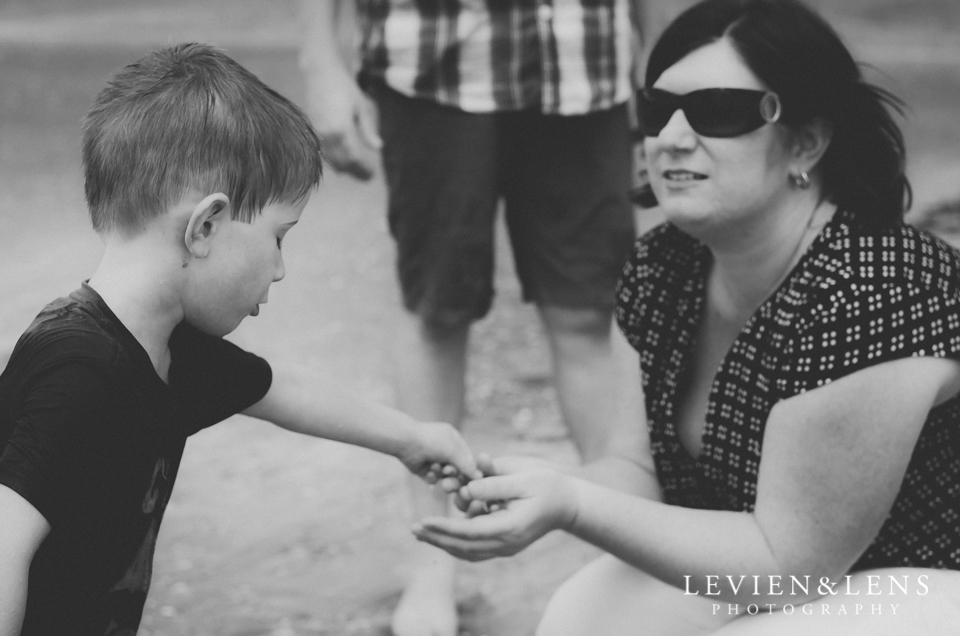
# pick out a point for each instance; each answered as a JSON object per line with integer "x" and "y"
{"x": 750, "y": 263}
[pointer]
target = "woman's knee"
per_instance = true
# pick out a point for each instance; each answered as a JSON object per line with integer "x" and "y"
{"x": 610, "y": 598}
{"x": 915, "y": 601}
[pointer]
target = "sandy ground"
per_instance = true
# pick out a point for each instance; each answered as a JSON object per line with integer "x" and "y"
{"x": 268, "y": 532}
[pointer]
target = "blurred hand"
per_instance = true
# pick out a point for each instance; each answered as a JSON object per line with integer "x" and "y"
{"x": 345, "y": 120}
{"x": 532, "y": 503}
{"x": 489, "y": 467}
{"x": 439, "y": 454}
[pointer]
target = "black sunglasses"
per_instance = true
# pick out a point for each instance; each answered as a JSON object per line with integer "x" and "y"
{"x": 711, "y": 112}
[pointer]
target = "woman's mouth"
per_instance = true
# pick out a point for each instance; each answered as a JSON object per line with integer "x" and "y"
{"x": 683, "y": 175}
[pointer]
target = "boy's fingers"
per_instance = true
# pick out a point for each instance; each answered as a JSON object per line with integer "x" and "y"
{"x": 468, "y": 466}
{"x": 449, "y": 484}
{"x": 485, "y": 464}
{"x": 453, "y": 449}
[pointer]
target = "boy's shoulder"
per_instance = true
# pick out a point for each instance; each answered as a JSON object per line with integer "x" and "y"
{"x": 68, "y": 356}
{"x": 74, "y": 329}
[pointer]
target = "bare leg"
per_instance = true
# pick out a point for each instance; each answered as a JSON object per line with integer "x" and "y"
{"x": 610, "y": 598}
{"x": 873, "y": 606}
{"x": 429, "y": 368}
{"x": 585, "y": 373}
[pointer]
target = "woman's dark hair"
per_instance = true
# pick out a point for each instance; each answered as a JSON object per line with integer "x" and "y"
{"x": 792, "y": 50}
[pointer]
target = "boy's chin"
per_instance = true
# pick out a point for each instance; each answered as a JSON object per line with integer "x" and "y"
{"x": 218, "y": 328}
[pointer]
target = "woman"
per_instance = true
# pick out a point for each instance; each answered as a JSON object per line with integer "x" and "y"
{"x": 799, "y": 351}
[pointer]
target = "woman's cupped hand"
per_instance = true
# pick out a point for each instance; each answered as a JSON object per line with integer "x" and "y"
{"x": 519, "y": 500}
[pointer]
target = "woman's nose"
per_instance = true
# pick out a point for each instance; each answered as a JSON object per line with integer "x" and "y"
{"x": 678, "y": 133}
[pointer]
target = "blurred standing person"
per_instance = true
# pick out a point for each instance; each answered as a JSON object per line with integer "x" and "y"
{"x": 471, "y": 102}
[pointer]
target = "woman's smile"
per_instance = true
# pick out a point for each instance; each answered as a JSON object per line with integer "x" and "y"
{"x": 677, "y": 176}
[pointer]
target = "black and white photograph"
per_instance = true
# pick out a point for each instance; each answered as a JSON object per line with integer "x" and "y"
{"x": 480, "y": 318}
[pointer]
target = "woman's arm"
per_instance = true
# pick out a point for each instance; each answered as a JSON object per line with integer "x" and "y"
{"x": 833, "y": 461}
{"x": 626, "y": 462}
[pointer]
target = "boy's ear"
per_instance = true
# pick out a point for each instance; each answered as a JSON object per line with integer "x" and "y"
{"x": 810, "y": 143}
{"x": 204, "y": 222}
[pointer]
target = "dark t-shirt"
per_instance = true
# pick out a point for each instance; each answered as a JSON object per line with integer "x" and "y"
{"x": 856, "y": 299}
{"x": 92, "y": 438}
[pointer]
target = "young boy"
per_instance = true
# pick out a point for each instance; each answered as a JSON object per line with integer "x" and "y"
{"x": 195, "y": 171}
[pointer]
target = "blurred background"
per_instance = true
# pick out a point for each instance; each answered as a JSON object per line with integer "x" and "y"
{"x": 268, "y": 533}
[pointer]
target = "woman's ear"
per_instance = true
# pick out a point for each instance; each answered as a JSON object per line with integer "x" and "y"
{"x": 204, "y": 222}
{"x": 810, "y": 143}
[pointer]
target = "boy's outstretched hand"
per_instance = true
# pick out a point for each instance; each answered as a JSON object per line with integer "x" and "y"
{"x": 439, "y": 455}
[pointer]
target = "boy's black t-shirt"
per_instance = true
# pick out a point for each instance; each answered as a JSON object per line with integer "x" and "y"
{"x": 92, "y": 438}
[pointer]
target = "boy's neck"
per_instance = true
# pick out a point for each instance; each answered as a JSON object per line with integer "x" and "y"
{"x": 140, "y": 280}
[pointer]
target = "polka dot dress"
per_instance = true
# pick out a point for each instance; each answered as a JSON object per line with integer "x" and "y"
{"x": 855, "y": 299}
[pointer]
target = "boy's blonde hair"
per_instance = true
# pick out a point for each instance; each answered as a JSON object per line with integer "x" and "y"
{"x": 188, "y": 117}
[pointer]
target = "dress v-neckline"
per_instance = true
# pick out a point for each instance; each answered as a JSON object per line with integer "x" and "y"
{"x": 686, "y": 338}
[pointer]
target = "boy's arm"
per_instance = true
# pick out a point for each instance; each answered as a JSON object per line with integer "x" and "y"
{"x": 304, "y": 401}
{"x": 22, "y": 529}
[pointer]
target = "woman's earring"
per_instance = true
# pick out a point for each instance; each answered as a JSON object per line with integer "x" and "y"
{"x": 801, "y": 180}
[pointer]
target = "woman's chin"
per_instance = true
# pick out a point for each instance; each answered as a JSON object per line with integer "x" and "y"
{"x": 685, "y": 213}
